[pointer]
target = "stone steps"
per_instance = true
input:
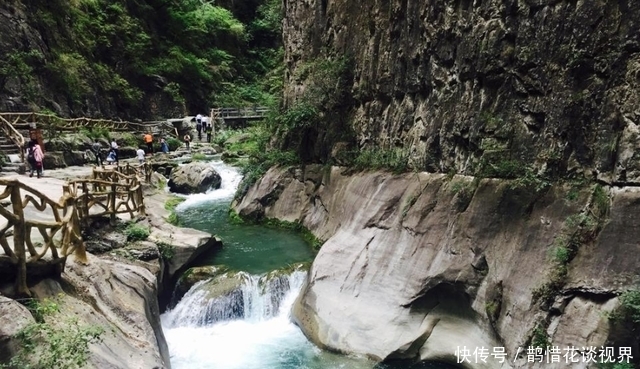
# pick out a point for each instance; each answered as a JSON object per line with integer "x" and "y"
{"x": 7, "y": 147}
{"x": 10, "y": 168}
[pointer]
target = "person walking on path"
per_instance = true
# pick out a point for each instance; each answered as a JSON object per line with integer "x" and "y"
{"x": 164, "y": 147}
{"x": 187, "y": 141}
{"x": 115, "y": 148}
{"x": 97, "y": 150}
{"x": 199, "y": 129}
{"x": 35, "y": 156}
{"x": 198, "y": 119}
{"x": 205, "y": 123}
{"x": 209, "y": 129}
{"x": 148, "y": 139}
{"x": 140, "y": 155}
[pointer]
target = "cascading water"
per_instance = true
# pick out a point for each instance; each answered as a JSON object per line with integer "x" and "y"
{"x": 247, "y": 326}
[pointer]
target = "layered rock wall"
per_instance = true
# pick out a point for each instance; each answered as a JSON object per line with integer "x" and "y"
{"x": 416, "y": 265}
{"x": 459, "y": 83}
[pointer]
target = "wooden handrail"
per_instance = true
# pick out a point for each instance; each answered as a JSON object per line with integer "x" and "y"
{"x": 110, "y": 190}
{"x": 15, "y": 136}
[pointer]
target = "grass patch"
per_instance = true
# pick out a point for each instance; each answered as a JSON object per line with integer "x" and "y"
{"x": 234, "y": 217}
{"x": 167, "y": 251}
{"x": 43, "y": 345}
{"x": 173, "y": 219}
{"x": 395, "y": 160}
{"x": 531, "y": 181}
{"x": 173, "y": 202}
{"x": 170, "y": 205}
{"x": 540, "y": 337}
{"x": 199, "y": 157}
{"x": 137, "y": 232}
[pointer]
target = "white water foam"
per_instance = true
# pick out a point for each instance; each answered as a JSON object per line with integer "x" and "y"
{"x": 231, "y": 178}
{"x": 248, "y": 329}
{"x": 263, "y": 339}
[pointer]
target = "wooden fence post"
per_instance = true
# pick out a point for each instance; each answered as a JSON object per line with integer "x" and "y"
{"x": 213, "y": 125}
{"x": 84, "y": 212}
{"x": 140, "y": 196}
{"x": 112, "y": 204}
{"x": 18, "y": 242}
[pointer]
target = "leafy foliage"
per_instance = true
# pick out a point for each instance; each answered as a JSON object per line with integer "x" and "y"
{"x": 136, "y": 232}
{"x": 540, "y": 337}
{"x": 318, "y": 120}
{"x": 121, "y": 49}
{"x": 167, "y": 251}
{"x": 631, "y": 304}
{"x": 44, "y": 345}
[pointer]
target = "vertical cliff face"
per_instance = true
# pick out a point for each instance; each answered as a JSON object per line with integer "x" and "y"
{"x": 464, "y": 84}
{"x": 532, "y": 90}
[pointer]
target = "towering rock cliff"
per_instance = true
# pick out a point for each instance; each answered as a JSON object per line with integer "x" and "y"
{"x": 463, "y": 85}
{"x": 536, "y": 99}
{"x": 417, "y": 266}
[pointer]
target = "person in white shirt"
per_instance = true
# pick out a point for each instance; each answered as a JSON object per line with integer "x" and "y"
{"x": 140, "y": 154}
{"x": 205, "y": 121}
{"x": 114, "y": 148}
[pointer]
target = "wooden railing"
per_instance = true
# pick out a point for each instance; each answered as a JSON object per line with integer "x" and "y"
{"x": 16, "y": 137}
{"x": 109, "y": 192}
{"x": 19, "y": 228}
{"x": 142, "y": 171}
{"x": 238, "y": 113}
{"x": 76, "y": 123}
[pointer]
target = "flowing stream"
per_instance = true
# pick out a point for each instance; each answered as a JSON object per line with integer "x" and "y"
{"x": 249, "y": 328}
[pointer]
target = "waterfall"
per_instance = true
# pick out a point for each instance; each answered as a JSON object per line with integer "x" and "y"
{"x": 240, "y": 320}
{"x": 230, "y": 179}
{"x": 258, "y": 298}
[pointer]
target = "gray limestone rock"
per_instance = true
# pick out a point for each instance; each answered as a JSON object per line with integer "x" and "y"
{"x": 194, "y": 178}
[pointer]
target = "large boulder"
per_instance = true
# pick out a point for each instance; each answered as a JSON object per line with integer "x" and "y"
{"x": 127, "y": 152}
{"x": 164, "y": 167}
{"x": 73, "y": 141}
{"x": 195, "y": 275}
{"x": 74, "y": 157}
{"x": 53, "y": 160}
{"x": 118, "y": 297}
{"x": 416, "y": 274}
{"x": 194, "y": 178}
